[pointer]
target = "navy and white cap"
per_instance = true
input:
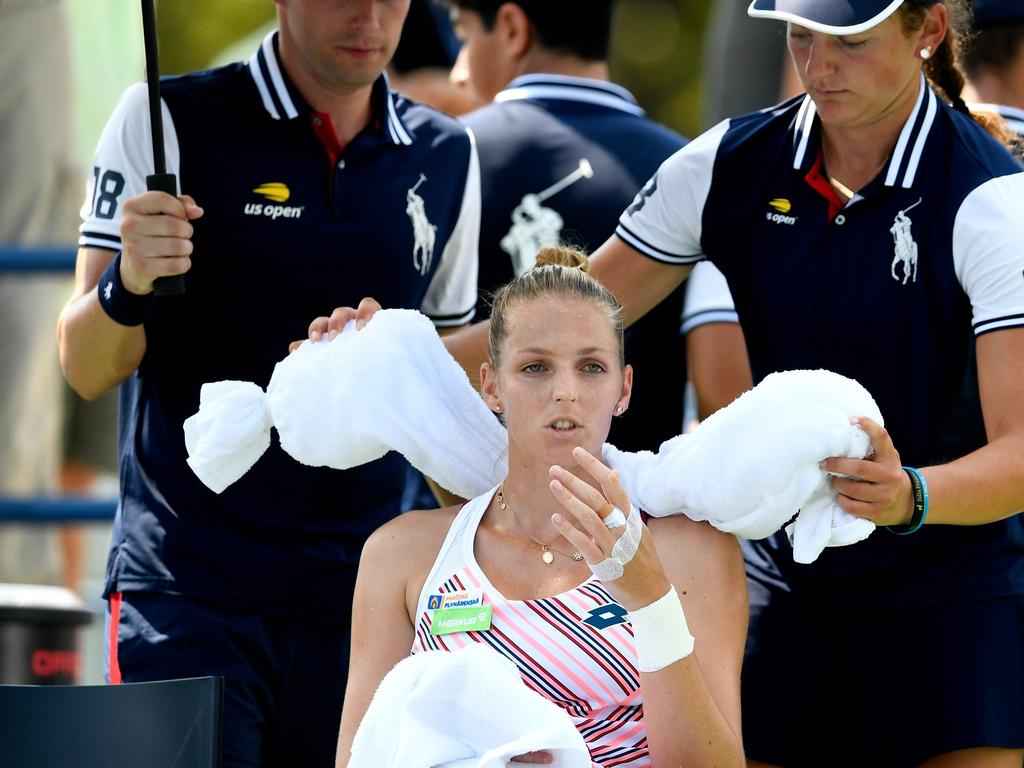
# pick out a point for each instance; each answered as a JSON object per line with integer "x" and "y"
{"x": 833, "y": 17}
{"x": 997, "y": 13}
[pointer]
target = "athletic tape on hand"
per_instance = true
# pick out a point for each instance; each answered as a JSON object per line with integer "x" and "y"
{"x": 624, "y": 550}
{"x": 615, "y": 519}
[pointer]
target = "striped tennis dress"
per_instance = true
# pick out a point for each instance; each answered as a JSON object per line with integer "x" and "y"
{"x": 575, "y": 649}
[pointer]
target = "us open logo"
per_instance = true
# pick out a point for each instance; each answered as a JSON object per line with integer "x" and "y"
{"x": 276, "y": 192}
{"x": 781, "y": 207}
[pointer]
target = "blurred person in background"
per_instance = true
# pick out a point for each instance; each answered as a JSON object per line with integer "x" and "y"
{"x": 422, "y": 67}
{"x": 562, "y": 152}
{"x": 994, "y": 62}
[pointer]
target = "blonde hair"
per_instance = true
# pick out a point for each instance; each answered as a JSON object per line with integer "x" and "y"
{"x": 560, "y": 271}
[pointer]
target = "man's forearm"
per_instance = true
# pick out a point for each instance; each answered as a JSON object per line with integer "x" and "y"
{"x": 96, "y": 353}
{"x": 468, "y": 345}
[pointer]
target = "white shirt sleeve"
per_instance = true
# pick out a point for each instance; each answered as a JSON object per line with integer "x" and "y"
{"x": 707, "y": 299}
{"x": 124, "y": 157}
{"x": 451, "y": 297}
{"x": 988, "y": 252}
{"x": 664, "y": 220}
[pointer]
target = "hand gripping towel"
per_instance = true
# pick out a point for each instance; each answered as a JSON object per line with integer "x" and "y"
{"x": 753, "y": 466}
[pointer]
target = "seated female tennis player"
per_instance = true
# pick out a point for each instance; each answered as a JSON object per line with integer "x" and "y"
{"x": 594, "y": 623}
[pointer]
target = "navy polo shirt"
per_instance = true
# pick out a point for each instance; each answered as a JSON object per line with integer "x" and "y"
{"x": 891, "y": 290}
{"x": 294, "y": 226}
{"x": 560, "y": 157}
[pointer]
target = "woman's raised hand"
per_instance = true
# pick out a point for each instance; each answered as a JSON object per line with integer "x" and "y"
{"x": 332, "y": 326}
{"x": 642, "y": 579}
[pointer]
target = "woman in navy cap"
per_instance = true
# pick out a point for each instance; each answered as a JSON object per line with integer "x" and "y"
{"x": 872, "y": 227}
{"x": 875, "y": 227}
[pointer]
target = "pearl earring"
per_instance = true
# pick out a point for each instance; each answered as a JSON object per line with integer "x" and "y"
{"x": 497, "y": 409}
{"x": 926, "y": 53}
{"x": 618, "y": 410}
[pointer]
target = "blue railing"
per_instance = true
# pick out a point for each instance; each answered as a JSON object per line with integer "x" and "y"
{"x": 19, "y": 258}
{"x": 48, "y": 509}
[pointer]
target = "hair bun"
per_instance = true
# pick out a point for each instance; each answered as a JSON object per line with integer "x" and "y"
{"x": 563, "y": 256}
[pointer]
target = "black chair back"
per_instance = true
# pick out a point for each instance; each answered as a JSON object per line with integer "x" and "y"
{"x": 136, "y": 725}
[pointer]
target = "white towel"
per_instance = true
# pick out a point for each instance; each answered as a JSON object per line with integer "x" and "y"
{"x": 390, "y": 386}
{"x": 748, "y": 469}
{"x": 465, "y": 709}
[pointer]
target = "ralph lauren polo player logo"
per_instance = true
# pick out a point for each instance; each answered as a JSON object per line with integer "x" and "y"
{"x": 535, "y": 226}
{"x": 780, "y": 209}
{"x": 904, "y": 246}
{"x": 276, "y": 192}
{"x": 422, "y": 230}
{"x": 605, "y": 616}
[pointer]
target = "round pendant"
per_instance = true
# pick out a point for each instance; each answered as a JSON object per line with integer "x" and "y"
{"x": 577, "y": 556}
{"x": 548, "y": 557}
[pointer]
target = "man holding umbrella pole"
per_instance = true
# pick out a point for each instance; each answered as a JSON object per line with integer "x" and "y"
{"x": 298, "y": 166}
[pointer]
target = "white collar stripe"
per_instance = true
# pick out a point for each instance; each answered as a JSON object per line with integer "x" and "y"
{"x": 804, "y": 123}
{"x": 261, "y": 86}
{"x": 570, "y": 93}
{"x": 1011, "y": 113}
{"x": 396, "y": 128}
{"x": 588, "y": 83}
{"x": 922, "y": 138}
{"x": 401, "y": 136}
{"x": 901, "y": 144}
{"x": 275, "y": 77}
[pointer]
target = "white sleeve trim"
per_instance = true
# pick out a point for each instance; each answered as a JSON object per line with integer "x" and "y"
{"x": 988, "y": 252}
{"x": 664, "y": 220}
{"x": 451, "y": 297}
{"x": 125, "y": 151}
{"x": 707, "y": 300}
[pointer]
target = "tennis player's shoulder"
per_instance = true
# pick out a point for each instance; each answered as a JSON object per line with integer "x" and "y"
{"x": 419, "y": 532}
{"x": 679, "y": 537}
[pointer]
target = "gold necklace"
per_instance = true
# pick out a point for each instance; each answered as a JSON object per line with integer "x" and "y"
{"x": 547, "y": 553}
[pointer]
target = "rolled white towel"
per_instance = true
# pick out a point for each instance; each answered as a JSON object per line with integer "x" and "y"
{"x": 390, "y": 386}
{"x": 752, "y": 466}
{"x": 468, "y": 708}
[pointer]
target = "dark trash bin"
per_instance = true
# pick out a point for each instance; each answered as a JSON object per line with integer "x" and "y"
{"x": 39, "y": 629}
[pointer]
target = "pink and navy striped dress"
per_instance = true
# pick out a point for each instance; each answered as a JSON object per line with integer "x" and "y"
{"x": 575, "y": 649}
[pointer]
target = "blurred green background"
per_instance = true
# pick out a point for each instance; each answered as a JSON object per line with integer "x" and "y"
{"x": 656, "y": 47}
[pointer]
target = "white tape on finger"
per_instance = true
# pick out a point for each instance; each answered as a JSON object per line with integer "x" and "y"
{"x": 624, "y": 550}
{"x": 615, "y": 519}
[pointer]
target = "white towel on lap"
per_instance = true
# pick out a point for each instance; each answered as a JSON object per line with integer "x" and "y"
{"x": 465, "y": 709}
{"x": 748, "y": 469}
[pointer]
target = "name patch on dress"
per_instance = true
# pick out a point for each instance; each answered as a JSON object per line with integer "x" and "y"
{"x": 444, "y": 621}
{"x": 466, "y": 598}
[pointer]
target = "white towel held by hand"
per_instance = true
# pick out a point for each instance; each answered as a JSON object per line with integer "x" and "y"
{"x": 748, "y": 469}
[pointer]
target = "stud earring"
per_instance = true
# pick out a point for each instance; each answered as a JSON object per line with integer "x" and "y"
{"x": 497, "y": 409}
{"x": 618, "y": 410}
{"x": 925, "y": 53}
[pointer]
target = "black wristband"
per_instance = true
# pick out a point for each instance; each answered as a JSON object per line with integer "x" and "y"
{"x": 919, "y": 490}
{"x": 120, "y": 304}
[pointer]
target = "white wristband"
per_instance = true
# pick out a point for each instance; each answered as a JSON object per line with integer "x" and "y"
{"x": 660, "y": 633}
